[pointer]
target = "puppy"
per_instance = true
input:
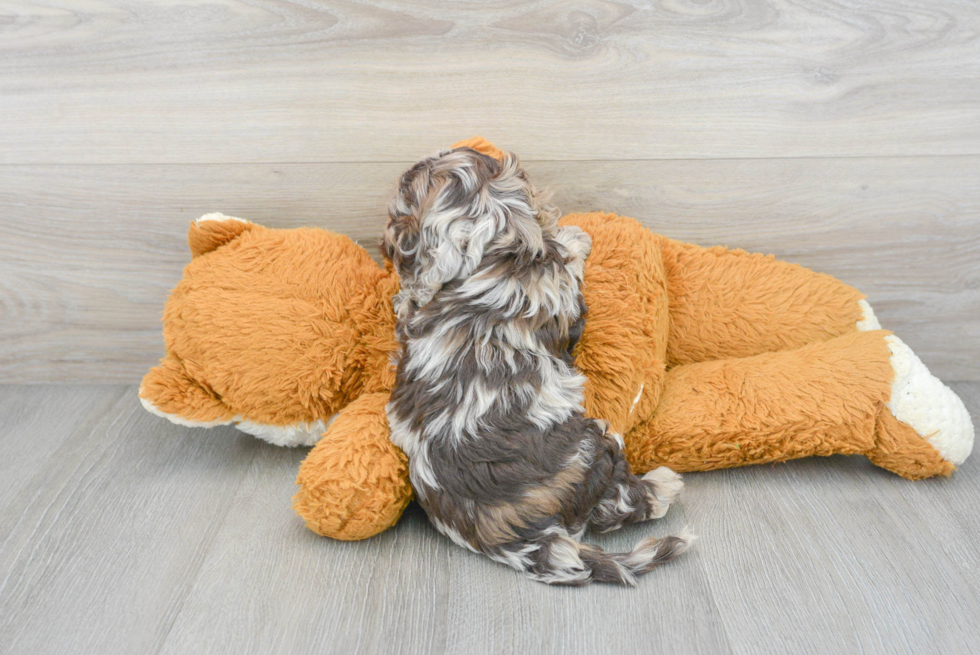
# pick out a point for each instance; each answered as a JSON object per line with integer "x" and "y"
{"x": 487, "y": 403}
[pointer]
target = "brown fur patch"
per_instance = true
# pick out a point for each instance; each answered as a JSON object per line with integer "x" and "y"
{"x": 498, "y": 524}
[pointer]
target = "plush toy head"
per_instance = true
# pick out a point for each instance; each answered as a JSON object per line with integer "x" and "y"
{"x": 273, "y": 330}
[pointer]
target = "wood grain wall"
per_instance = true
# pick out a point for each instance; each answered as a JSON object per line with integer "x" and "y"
{"x": 841, "y": 135}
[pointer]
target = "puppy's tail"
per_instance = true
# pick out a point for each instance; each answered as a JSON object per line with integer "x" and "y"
{"x": 624, "y": 568}
{"x": 562, "y": 560}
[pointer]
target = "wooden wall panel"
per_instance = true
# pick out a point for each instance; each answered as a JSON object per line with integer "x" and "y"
{"x": 88, "y": 253}
{"x": 204, "y": 81}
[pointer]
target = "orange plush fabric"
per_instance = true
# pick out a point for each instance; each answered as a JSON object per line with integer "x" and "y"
{"x": 703, "y": 358}
{"x": 731, "y": 303}
{"x": 731, "y": 412}
{"x": 278, "y": 326}
{"x": 354, "y": 484}
{"x": 623, "y": 347}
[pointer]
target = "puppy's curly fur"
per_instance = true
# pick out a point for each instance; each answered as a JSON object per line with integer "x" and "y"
{"x": 487, "y": 403}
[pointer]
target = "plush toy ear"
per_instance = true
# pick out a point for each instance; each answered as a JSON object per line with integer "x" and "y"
{"x": 212, "y": 231}
{"x": 482, "y": 146}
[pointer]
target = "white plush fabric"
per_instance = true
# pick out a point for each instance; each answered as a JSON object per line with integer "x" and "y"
{"x": 920, "y": 400}
{"x": 869, "y": 320}
{"x": 218, "y": 216}
{"x": 297, "y": 434}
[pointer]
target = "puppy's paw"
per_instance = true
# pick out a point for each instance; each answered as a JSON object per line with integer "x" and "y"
{"x": 665, "y": 485}
{"x": 577, "y": 241}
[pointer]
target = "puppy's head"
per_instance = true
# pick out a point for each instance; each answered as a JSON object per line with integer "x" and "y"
{"x": 452, "y": 209}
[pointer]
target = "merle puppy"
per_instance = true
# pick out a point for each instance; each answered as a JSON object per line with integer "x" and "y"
{"x": 487, "y": 403}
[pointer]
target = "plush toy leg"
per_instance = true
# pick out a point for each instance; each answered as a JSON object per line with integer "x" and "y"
{"x": 920, "y": 408}
{"x": 834, "y": 397}
{"x": 899, "y": 449}
{"x": 731, "y": 303}
{"x": 354, "y": 483}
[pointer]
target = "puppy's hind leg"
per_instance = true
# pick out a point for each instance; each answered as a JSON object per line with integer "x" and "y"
{"x": 630, "y": 499}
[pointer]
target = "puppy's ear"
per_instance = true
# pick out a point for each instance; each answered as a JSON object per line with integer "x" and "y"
{"x": 400, "y": 243}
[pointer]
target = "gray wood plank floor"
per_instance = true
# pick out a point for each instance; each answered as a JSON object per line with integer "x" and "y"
{"x": 121, "y": 533}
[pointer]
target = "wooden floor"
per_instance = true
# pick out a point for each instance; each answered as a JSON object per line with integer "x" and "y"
{"x": 122, "y": 533}
{"x": 842, "y": 135}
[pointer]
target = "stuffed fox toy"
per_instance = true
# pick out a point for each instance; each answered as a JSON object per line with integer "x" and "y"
{"x": 703, "y": 358}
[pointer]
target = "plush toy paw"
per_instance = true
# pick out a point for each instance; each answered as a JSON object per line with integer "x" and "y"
{"x": 928, "y": 406}
{"x": 170, "y": 392}
{"x": 354, "y": 483}
{"x": 920, "y": 401}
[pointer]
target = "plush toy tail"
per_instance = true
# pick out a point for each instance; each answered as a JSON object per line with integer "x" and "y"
{"x": 212, "y": 231}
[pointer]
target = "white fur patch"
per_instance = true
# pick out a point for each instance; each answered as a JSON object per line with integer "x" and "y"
{"x": 560, "y": 394}
{"x": 868, "y": 320}
{"x": 417, "y": 450}
{"x": 667, "y": 484}
{"x": 565, "y": 564}
{"x": 931, "y": 408}
{"x": 618, "y": 438}
{"x": 457, "y": 539}
{"x": 421, "y": 469}
{"x": 639, "y": 394}
{"x": 218, "y": 216}
{"x": 296, "y": 434}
